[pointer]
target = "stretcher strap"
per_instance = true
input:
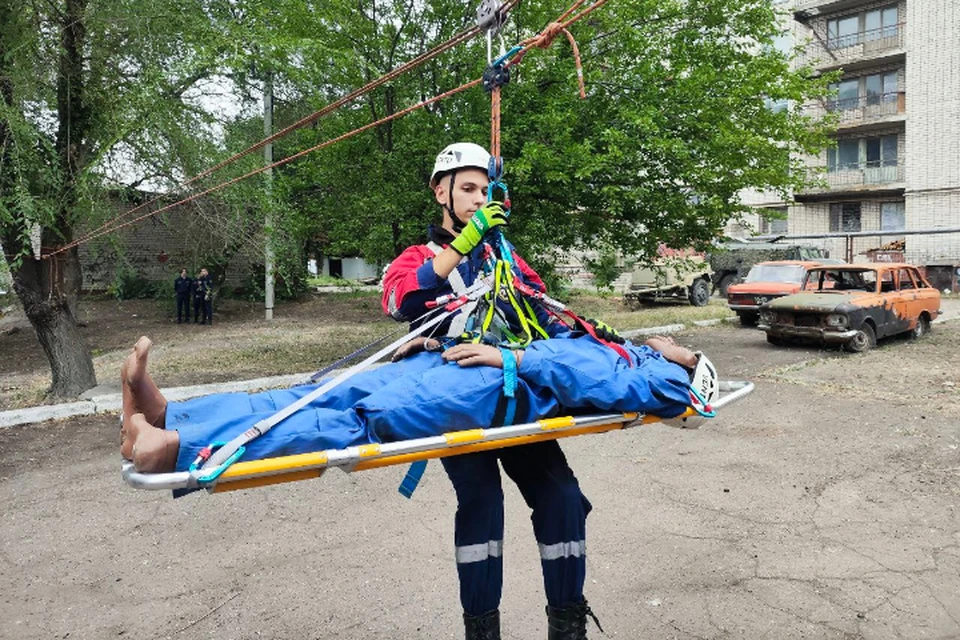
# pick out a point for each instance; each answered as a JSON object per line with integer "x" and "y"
{"x": 509, "y": 385}
{"x": 412, "y": 479}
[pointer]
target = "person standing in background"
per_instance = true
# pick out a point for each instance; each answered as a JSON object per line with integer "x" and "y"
{"x": 182, "y": 287}
{"x": 203, "y": 298}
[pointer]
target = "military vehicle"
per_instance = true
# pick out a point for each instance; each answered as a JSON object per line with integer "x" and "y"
{"x": 678, "y": 279}
{"x": 731, "y": 261}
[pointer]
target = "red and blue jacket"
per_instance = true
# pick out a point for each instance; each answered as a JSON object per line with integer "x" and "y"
{"x": 410, "y": 282}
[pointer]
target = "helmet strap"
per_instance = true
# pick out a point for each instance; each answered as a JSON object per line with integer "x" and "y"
{"x": 457, "y": 225}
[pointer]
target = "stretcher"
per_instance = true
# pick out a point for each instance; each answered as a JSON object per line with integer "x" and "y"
{"x": 258, "y": 473}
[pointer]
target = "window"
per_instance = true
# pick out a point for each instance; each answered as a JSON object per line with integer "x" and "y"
{"x": 858, "y": 153}
{"x": 882, "y": 151}
{"x": 843, "y": 32}
{"x": 906, "y": 280}
{"x": 881, "y": 87}
{"x": 886, "y": 282}
{"x": 845, "y": 156}
{"x": 774, "y": 226}
{"x": 869, "y": 26}
{"x": 892, "y": 216}
{"x": 865, "y": 90}
{"x": 845, "y": 217}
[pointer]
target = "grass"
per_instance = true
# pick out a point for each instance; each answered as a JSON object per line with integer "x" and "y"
{"x": 613, "y": 311}
{"x": 330, "y": 281}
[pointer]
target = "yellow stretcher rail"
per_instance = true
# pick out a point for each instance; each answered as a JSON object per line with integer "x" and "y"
{"x": 259, "y": 473}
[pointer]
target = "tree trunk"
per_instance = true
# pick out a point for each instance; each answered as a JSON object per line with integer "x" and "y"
{"x": 36, "y": 284}
{"x": 47, "y": 288}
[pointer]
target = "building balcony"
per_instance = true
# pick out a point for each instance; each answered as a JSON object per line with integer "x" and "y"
{"x": 852, "y": 181}
{"x": 865, "y": 112}
{"x": 857, "y": 50}
{"x": 812, "y": 8}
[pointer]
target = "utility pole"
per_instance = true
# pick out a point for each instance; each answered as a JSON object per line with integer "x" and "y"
{"x": 268, "y": 218}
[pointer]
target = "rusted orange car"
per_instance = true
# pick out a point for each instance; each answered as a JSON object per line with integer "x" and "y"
{"x": 766, "y": 281}
{"x": 853, "y": 305}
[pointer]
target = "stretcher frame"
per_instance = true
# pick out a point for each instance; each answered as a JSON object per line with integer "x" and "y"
{"x": 269, "y": 471}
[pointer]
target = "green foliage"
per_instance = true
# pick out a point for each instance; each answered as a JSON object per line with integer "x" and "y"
{"x": 128, "y": 285}
{"x": 605, "y": 269}
{"x": 290, "y": 283}
{"x": 674, "y": 127}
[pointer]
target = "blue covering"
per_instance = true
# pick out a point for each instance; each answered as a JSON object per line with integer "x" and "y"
{"x": 423, "y": 396}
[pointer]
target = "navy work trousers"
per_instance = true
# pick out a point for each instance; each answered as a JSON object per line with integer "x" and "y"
{"x": 559, "y": 518}
{"x": 183, "y": 307}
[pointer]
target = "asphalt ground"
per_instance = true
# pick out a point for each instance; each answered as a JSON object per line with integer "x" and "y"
{"x": 800, "y": 512}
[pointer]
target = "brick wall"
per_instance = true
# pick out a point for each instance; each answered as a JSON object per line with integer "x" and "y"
{"x": 157, "y": 247}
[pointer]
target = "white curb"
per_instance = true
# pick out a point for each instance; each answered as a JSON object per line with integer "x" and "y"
{"x": 46, "y": 412}
{"x": 111, "y": 402}
{"x": 652, "y": 331}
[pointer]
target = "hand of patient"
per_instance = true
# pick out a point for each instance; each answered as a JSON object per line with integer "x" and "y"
{"x": 476, "y": 355}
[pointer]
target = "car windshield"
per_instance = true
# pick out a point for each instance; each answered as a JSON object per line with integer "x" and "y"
{"x": 841, "y": 280}
{"x": 775, "y": 273}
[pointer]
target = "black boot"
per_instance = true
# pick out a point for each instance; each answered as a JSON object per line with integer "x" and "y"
{"x": 569, "y": 622}
{"x": 485, "y": 627}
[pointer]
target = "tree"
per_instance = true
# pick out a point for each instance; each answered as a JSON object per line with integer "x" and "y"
{"x": 84, "y": 83}
{"x": 674, "y": 127}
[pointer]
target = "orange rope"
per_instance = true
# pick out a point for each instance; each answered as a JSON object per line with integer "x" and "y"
{"x": 398, "y": 71}
{"x": 541, "y": 40}
{"x": 289, "y": 159}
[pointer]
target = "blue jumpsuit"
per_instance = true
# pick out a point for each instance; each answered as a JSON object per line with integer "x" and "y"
{"x": 425, "y": 396}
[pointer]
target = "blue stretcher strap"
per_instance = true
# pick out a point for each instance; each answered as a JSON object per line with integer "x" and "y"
{"x": 412, "y": 479}
{"x": 509, "y": 384}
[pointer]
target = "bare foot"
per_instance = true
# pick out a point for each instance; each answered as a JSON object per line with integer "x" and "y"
{"x": 152, "y": 450}
{"x": 673, "y": 351}
{"x": 140, "y": 392}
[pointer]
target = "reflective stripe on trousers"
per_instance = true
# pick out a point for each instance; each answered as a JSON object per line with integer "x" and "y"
{"x": 479, "y": 552}
{"x": 560, "y": 550}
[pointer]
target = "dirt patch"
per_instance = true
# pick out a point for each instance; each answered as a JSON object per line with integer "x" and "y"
{"x": 809, "y": 510}
{"x": 900, "y": 372}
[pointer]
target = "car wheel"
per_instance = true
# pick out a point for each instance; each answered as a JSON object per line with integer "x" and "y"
{"x": 748, "y": 319}
{"x": 922, "y": 328}
{"x": 724, "y": 284}
{"x": 865, "y": 339}
{"x": 776, "y": 341}
{"x": 699, "y": 293}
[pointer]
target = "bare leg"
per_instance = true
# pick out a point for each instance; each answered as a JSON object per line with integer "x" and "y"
{"x": 140, "y": 392}
{"x": 673, "y": 351}
{"x": 152, "y": 450}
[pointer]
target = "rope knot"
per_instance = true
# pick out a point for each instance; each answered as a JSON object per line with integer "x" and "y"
{"x": 547, "y": 36}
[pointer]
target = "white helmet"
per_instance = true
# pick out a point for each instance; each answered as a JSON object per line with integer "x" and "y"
{"x": 459, "y": 155}
{"x": 704, "y": 391}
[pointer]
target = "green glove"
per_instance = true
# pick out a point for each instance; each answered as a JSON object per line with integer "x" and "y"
{"x": 489, "y": 216}
{"x": 605, "y": 331}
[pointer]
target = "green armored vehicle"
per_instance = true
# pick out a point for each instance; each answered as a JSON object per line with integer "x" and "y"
{"x": 732, "y": 260}
{"x": 671, "y": 279}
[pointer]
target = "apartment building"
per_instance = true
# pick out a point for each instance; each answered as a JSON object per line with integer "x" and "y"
{"x": 896, "y": 162}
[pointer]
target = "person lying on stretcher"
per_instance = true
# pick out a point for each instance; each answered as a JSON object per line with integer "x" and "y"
{"x": 422, "y": 393}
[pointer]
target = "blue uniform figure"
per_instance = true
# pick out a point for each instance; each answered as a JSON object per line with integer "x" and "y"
{"x": 183, "y": 288}
{"x": 427, "y": 394}
{"x": 203, "y": 298}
